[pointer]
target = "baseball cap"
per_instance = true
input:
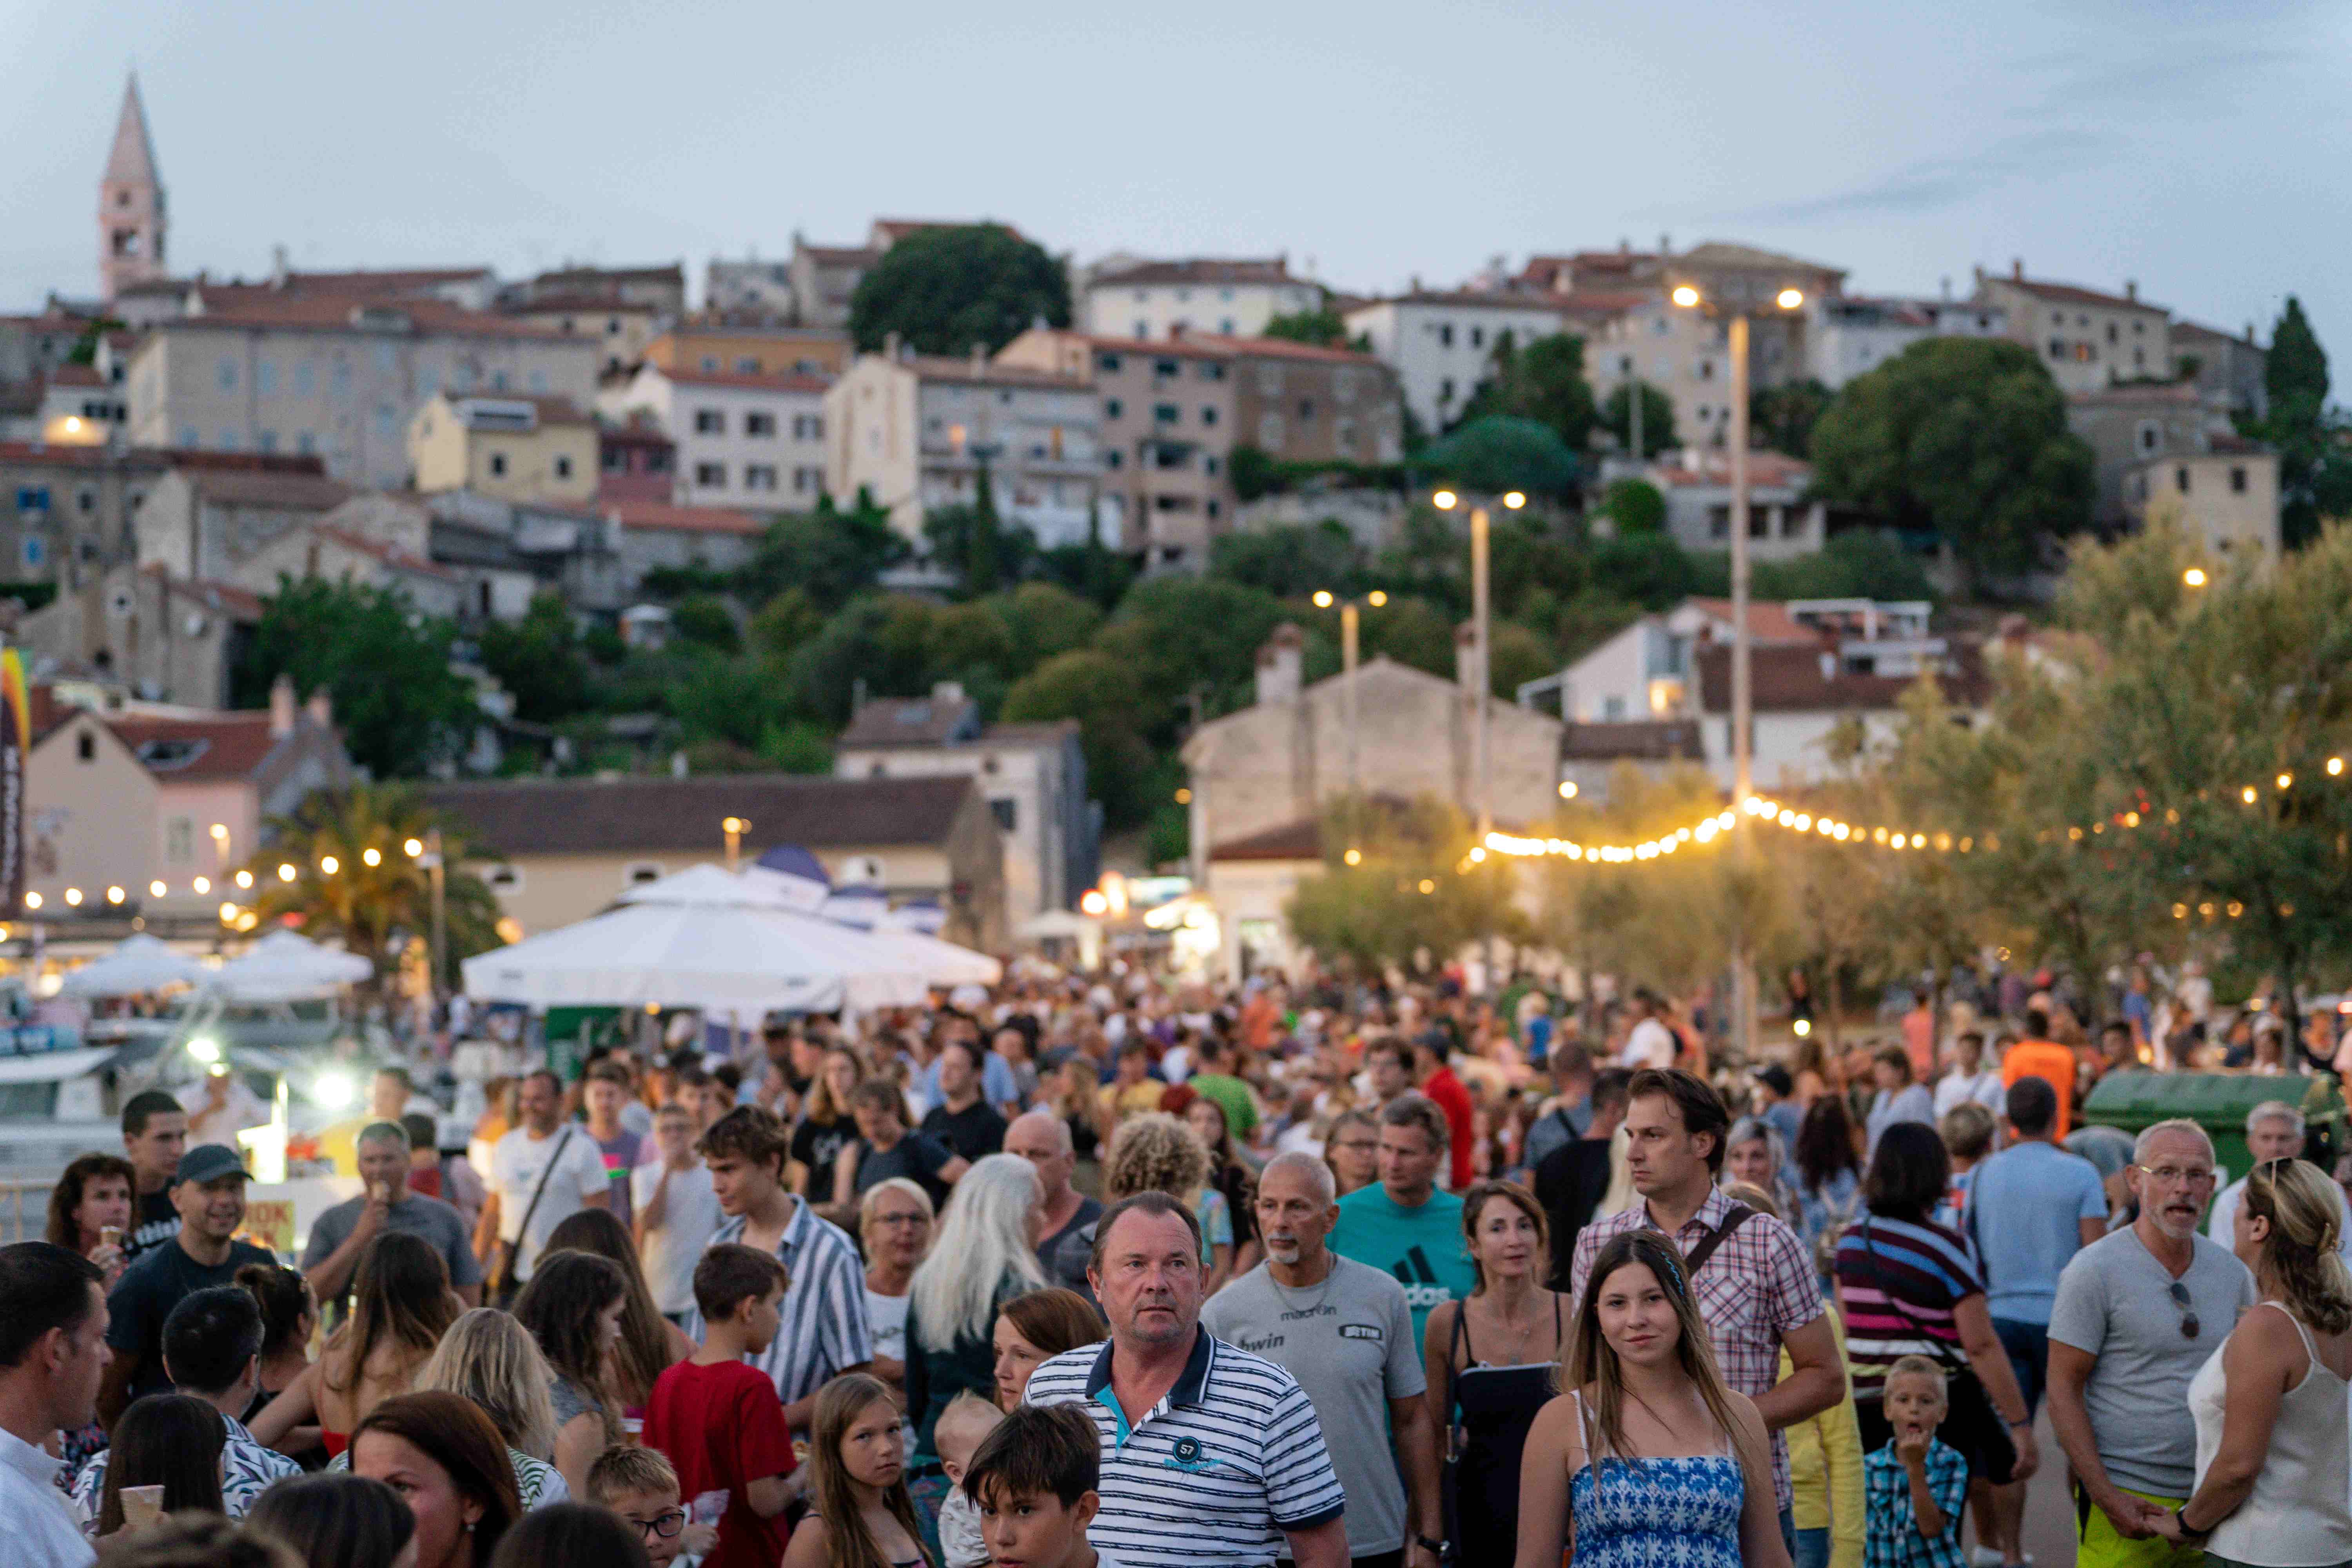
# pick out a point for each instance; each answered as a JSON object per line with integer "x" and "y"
{"x": 1774, "y": 1076}
{"x": 209, "y": 1162}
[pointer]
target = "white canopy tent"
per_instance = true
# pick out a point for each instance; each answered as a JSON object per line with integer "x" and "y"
{"x": 138, "y": 964}
{"x": 944, "y": 964}
{"x": 866, "y": 911}
{"x": 700, "y": 939}
{"x": 285, "y": 966}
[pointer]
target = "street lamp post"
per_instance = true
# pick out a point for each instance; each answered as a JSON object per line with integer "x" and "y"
{"x": 1743, "y": 700}
{"x": 734, "y": 827}
{"x": 1349, "y": 615}
{"x": 1481, "y": 643}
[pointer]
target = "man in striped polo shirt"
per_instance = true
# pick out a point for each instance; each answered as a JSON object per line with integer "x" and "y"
{"x": 821, "y": 1331}
{"x": 1211, "y": 1458}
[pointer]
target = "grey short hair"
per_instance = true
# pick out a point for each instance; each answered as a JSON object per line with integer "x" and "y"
{"x": 1419, "y": 1111}
{"x": 2176, "y": 1124}
{"x": 2274, "y": 1111}
{"x": 384, "y": 1132}
{"x": 1061, "y": 1128}
{"x": 1318, "y": 1174}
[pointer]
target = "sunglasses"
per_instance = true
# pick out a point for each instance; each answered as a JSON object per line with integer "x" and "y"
{"x": 2187, "y": 1310}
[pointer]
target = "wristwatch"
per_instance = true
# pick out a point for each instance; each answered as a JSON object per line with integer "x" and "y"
{"x": 1436, "y": 1548}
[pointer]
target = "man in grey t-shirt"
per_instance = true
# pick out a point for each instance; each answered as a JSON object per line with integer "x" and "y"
{"x": 1344, "y": 1331}
{"x": 2137, "y": 1313}
{"x": 340, "y": 1235}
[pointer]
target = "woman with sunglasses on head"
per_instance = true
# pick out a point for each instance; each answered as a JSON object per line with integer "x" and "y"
{"x": 2271, "y": 1434}
{"x": 1647, "y": 1456}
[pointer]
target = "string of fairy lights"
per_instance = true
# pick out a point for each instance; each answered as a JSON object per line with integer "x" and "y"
{"x": 1763, "y": 811}
{"x": 233, "y": 914}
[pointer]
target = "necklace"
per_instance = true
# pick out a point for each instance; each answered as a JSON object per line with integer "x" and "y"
{"x": 1330, "y": 1271}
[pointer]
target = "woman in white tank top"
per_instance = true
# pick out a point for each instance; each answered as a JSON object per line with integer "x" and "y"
{"x": 2273, "y": 1425}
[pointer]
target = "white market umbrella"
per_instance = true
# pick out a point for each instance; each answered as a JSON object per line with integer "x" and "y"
{"x": 711, "y": 886}
{"x": 284, "y": 966}
{"x": 943, "y": 964}
{"x": 139, "y": 965}
{"x": 728, "y": 960}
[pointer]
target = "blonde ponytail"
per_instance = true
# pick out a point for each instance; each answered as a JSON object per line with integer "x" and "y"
{"x": 2301, "y": 1252}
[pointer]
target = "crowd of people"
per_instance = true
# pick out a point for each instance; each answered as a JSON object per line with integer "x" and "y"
{"x": 1099, "y": 1270}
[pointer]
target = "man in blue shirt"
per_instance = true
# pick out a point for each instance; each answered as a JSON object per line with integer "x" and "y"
{"x": 2030, "y": 1208}
{"x": 1402, "y": 1225}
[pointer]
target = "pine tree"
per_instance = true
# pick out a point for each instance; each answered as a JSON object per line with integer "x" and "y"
{"x": 981, "y": 563}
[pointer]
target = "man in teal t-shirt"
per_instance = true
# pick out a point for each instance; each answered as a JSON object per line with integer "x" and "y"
{"x": 1402, "y": 1225}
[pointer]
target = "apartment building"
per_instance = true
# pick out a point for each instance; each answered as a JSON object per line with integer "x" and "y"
{"x": 619, "y": 328}
{"x": 1303, "y": 404}
{"x": 2129, "y": 427}
{"x": 1149, "y": 300}
{"x": 635, "y": 460}
{"x": 2227, "y": 495}
{"x": 319, "y": 374}
{"x": 660, "y": 287}
{"x": 1441, "y": 344}
{"x": 2088, "y": 339}
{"x": 653, "y": 535}
{"x": 755, "y": 442}
{"x": 2232, "y": 371}
{"x": 1783, "y": 522}
{"x": 1848, "y": 336}
{"x": 825, "y": 279}
{"x": 749, "y": 290}
{"x": 915, "y": 430}
{"x": 67, "y": 511}
{"x": 751, "y": 351}
{"x": 516, "y": 448}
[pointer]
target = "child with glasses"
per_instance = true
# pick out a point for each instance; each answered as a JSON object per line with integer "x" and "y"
{"x": 639, "y": 1484}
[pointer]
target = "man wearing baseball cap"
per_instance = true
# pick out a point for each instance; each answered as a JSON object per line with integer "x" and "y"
{"x": 208, "y": 1190}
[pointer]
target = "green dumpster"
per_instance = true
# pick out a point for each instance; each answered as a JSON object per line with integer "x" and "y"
{"x": 2216, "y": 1101}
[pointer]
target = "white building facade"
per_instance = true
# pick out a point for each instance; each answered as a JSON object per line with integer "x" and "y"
{"x": 1152, "y": 300}
{"x": 1443, "y": 345}
{"x": 752, "y": 442}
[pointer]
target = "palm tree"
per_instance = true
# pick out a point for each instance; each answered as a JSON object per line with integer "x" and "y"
{"x": 350, "y": 863}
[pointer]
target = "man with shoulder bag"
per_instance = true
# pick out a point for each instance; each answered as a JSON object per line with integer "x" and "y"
{"x": 542, "y": 1173}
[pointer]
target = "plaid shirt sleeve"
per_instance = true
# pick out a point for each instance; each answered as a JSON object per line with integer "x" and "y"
{"x": 1792, "y": 1290}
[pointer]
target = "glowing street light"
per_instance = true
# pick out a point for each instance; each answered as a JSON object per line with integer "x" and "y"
{"x": 286, "y": 870}
{"x": 371, "y": 856}
{"x": 2194, "y": 576}
{"x": 1515, "y": 500}
{"x": 1445, "y": 500}
{"x": 734, "y": 827}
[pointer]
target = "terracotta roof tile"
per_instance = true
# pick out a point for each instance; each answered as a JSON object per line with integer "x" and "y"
{"x": 943, "y": 367}
{"x": 736, "y": 379}
{"x": 1202, "y": 269}
{"x": 399, "y": 559}
{"x": 2076, "y": 294}
{"x": 1300, "y": 841}
{"x": 1640, "y": 739}
{"x": 218, "y": 746}
{"x": 1767, "y": 621}
{"x": 662, "y": 516}
{"x": 1788, "y": 680}
{"x": 591, "y": 816}
{"x": 912, "y": 722}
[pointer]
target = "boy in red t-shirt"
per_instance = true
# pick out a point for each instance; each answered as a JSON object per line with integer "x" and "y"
{"x": 717, "y": 1417}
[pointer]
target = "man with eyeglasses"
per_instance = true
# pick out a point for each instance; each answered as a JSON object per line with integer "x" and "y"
{"x": 2137, "y": 1312}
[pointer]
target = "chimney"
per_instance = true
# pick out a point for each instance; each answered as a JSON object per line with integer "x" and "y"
{"x": 1176, "y": 331}
{"x": 2017, "y": 269}
{"x": 281, "y": 707}
{"x": 321, "y": 709}
{"x": 890, "y": 347}
{"x": 1666, "y": 245}
{"x": 1829, "y": 665}
{"x": 278, "y": 268}
{"x": 945, "y": 691}
{"x": 2131, "y": 290}
{"x": 1469, "y": 671}
{"x": 1947, "y": 281}
{"x": 1279, "y": 663}
{"x": 979, "y": 359}
{"x": 1416, "y": 283}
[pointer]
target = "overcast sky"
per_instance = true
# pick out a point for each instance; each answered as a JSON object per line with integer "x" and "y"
{"x": 2197, "y": 147}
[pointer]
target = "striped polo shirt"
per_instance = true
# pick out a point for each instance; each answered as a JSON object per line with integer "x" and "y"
{"x": 1213, "y": 1475}
{"x": 820, "y": 1328}
{"x": 1899, "y": 1281}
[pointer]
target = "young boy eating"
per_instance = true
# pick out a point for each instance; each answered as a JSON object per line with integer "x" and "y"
{"x": 639, "y": 1484}
{"x": 717, "y": 1417}
{"x": 1034, "y": 1480}
{"x": 963, "y": 1426}
{"x": 1914, "y": 1488}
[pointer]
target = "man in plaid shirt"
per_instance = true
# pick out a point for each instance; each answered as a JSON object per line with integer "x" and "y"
{"x": 1757, "y": 1287}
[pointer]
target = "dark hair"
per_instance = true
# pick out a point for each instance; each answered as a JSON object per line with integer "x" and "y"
{"x": 456, "y": 1436}
{"x": 730, "y": 1274}
{"x": 392, "y": 1131}
{"x": 693, "y": 1078}
{"x": 422, "y": 1134}
{"x": 1701, "y": 1107}
{"x": 1133, "y": 1048}
{"x": 1569, "y": 1058}
{"x": 394, "y": 1071}
{"x": 198, "y": 1540}
{"x": 1972, "y": 1036}
{"x": 2032, "y": 1105}
{"x": 1908, "y": 1172}
{"x": 171, "y": 1440}
{"x": 1054, "y": 1320}
{"x": 747, "y": 1132}
{"x": 147, "y": 1103}
{"x": 1474, "y": 1203}
{"x": 334, "y": 1516}
{"x": 643, "y": 1351}
{"x": 1825, "y": 1143}
{"x": 971, "y": 1052}
{"x": 210, "y": 1336}
{"x": 1389, "y": 1045}
{"x": 728, "y": 1076}
{"x": 66, "y": 1196}
{"x": 1035, "y": 1450}
{"x": 1608, "y": 1089}
{"x": 1422, "y": 1114}
{"x": 553, "y": 1083}
{"x": 43, "y": 1286}
{"x": 560, "y": 1306}
{"x": 572, "y": 1532}
{"x": 881, "y": 1095}
{"x": 1894, "y": 1057}
{"x": 400, "y": 1297}
{"x": 1150, "y": 1203}
{"x": 2037, "y": 1024}
{"x": 284, "y": 1297}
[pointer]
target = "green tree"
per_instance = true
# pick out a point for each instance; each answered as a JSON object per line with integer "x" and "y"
{"x": 1254, "y": 473}
{"x": 385, "y": 669}
{"x": 1657, "y": 420}
{"x": 1519, "y": 655}
{"x": 1963, "y": 437}
{"x": 1289, "y": 561}
{"x": 1323, "y": 328}
{"x": 371, "y": 903}
{"x": 538, "y": 660}
{"x": 783, "y": 623}
{"x": 982, "y": 567}
{"x": 1412, "y": 899}
{"x": 1783, "y": 417}
{"x": 942, "y": 290}
{"x": 1040, "y": 620}
{"x": 1863, "y": 564}
{"x": 1186, "y": 638}
{"x": 1412, "y": 631}
{"x": 2314, "y": 459}
{"x": 704, "y": 620}
{"x": 1503, "y": 452}
{"x": 1650, "y": 569}
{"x": 735, "y": 701}
{"x": 1544, "y": 381}
{"x": 1525, "y": 557}
{"x": 829, "y": 554}
{"x": 973, "y": 542}
{"x": 1635, "y": 506}
{"x": 1104, "y": 695}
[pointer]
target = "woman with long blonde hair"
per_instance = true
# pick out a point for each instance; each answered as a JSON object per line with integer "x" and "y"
{"x": 490, "y": 1360}
{"x": 861, "y": 1514}
{"x": 2272, "y": 1443}
{"x": 1647, "y": 1455}
{"x": 401, "y": 1306}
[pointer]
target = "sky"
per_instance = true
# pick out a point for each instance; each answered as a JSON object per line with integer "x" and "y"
{"x": 2190, "y": 147}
